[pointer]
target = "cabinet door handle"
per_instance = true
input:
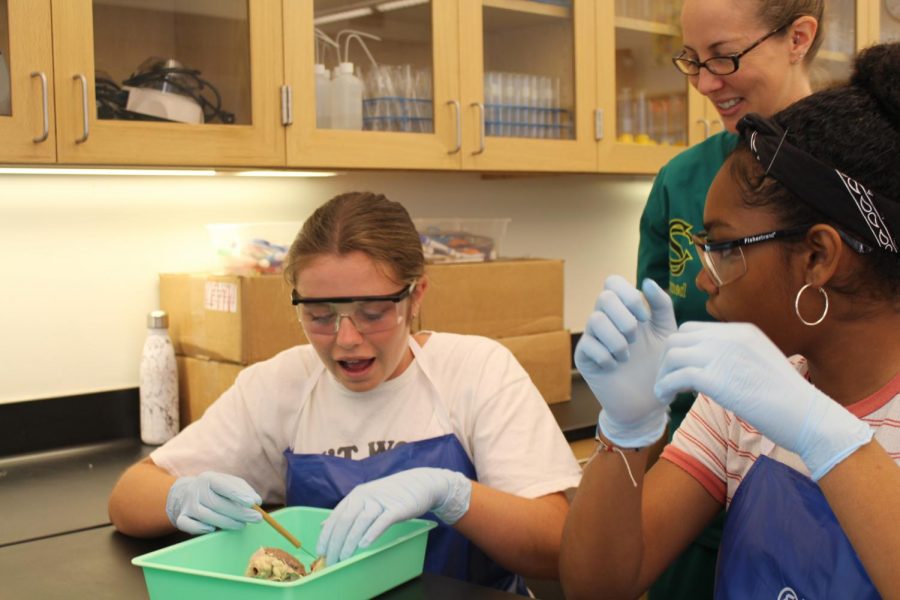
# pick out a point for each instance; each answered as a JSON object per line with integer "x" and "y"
{"x": 84, "y": 108}
{"x": 598, "y": 124}
{"x": 457, "y": 116}
{"x": 46, "y": 122}
{"x": 287, "y": 105}
{"x": 480, "y": 108}
{"x": 705, "y": 124}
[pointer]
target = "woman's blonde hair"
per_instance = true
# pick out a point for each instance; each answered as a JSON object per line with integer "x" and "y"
{"x": 775, "y": 13}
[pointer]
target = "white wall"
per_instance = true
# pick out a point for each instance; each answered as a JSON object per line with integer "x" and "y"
{"x": 80, "y": 254}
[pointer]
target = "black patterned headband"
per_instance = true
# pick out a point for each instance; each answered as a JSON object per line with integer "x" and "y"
{"x": 836, "y": 195}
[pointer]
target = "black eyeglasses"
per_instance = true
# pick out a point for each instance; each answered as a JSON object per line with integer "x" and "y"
{"x": 369, "y": 314}
{"x": 719, "y": 65}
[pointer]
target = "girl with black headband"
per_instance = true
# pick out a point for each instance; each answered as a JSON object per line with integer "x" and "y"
{"x": 800, "y": 256}
{"x": 747, "y": 56}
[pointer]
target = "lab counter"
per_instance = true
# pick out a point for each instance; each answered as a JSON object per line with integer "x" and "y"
{"x": 96, "y": 564}
{"x": 57, "y": 541}
{"x": 49, "y": 493}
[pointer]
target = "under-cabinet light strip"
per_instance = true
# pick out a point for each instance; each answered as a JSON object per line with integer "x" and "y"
{"x": 140, "y": 172}
{"x": 285, "y": 173}
{"x": 160, "y": 172}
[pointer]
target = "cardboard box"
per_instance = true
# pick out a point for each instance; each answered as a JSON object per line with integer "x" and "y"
{"x": 548, "y": 359}
{"x": 496, "y": 299}
{"x": 229, "y": 318}
{"x": 200, "y": 383}
{"x": 545, "y": 356}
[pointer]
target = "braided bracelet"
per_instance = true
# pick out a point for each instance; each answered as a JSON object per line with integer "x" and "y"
{"x": 602, "y": 446}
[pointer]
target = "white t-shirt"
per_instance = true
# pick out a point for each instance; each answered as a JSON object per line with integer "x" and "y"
{"x": 717, "y": 448}
{"x": 494, "y": 410}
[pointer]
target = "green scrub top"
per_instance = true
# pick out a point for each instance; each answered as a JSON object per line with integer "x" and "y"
{"x": 674, "y": 212}
{"x": 666, "y": 254}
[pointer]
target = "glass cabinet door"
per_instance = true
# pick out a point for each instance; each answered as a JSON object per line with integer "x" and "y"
{"x": 172, "y": 81}
{"x": 528, "y": 70}
{"x": 26, "y": 93}
{"x": 185, "y": 62}
{"x": 834, "y": 60}
{"x": 889, "y": 21}
{"x": 373, "y": 83}
{"x": 647, "y": 95}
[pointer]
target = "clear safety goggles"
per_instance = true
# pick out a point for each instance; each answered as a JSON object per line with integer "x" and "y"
{"x": 369, "y": 314}
{"x": 725, "y": 261}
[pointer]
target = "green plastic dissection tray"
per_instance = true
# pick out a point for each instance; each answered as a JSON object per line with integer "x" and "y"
{"x": 213, "y": 565}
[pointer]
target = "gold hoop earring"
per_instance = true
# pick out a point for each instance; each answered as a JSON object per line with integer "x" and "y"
{"x": 797, "y": 306}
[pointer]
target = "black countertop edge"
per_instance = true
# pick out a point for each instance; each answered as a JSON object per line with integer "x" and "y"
{"x": 55, "y": 534}
{"x": 68, "y": 453}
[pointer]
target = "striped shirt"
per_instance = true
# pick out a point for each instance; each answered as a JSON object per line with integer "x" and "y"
{"x": 717, "y": 448}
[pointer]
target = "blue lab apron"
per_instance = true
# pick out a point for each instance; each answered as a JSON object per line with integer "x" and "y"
{"x": 783, "y": 542}
{"x": 323, "y": 481}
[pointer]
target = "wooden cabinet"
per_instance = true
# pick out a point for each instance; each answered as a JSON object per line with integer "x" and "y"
{"x": 511, "y": 85}
{"x": 27, "y": 118}
{"x": 234, "y": 43}
{"x": 478, "y": 85}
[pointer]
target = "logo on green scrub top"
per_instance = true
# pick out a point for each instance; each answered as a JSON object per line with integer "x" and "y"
{"x": 680, "y": 243}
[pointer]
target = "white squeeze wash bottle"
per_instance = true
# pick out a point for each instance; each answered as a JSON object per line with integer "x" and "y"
{"x": 346, "y": 99}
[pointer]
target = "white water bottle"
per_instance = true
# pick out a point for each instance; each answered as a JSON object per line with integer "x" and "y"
{"x": 158, "y": 382}
{"x": 346, "y": 99}
{"x": 323, "y": 97}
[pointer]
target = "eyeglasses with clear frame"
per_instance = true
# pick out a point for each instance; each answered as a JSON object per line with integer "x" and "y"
{"x": 725, "y": 261}
{"x": 719, "y": 65}
{"x": 369, "y": 314}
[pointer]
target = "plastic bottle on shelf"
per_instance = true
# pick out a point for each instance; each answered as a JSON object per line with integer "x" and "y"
{"x": 346, "y": 99}
{"x": 323, "y": 97}
{"x": 158, "y": 382}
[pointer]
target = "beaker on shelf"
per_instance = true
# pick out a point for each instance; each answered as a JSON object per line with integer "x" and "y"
{"x": 625, "y": 109}
{"x": 642, "y": 134}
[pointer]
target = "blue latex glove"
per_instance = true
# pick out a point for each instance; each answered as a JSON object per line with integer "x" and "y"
{"x": 738, "y": 367}
{"x": 619, "y": 355}
{"x": 370, "y": 508}
{"x": 209, "y": 501}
